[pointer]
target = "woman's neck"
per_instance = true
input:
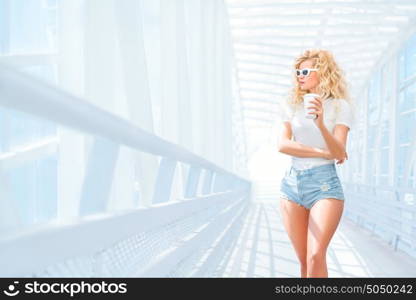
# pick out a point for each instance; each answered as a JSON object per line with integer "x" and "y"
{"x": 313, "y": 91}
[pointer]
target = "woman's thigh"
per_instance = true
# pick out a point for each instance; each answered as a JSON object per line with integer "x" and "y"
{"x": 324, "y": 218}
{"x": 295, "y": 220}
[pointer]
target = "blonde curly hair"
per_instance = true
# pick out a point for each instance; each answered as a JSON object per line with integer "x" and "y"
{"x": 332, "y": 82}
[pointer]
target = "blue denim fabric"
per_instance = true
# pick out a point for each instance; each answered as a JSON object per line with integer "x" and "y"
{"x": 306, "y": 187}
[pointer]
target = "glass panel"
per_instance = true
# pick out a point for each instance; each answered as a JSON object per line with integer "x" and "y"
{"x": 385, "y": 133}
{"x": 384, "y": 163}
{"x": 372, "y": 130}
{"x": 152, "y": 35}
{"x": 405, "y": 130}
{"x": 402, "y": 105}
{"x": 374, "y": 99}
{"x": 371, "y": 171}
{"x": 24, "y": 197}
{"x": 400, "y": 164}
{"x": 412, "y": 177}
{"x": 411, "y": 96}
{"x": 4, "y": 27}
{"x": 25, "y": 129}
{"x": 383, "y": 180}
{"x": 39, "y": 32}
{"x": 4, "y": 131}
{"x": 411, "y": 57}
{"x": 46, "y": 188}
{"x": 387, "y": 86}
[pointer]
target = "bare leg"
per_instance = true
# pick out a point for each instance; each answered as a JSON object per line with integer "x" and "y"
{"x": 295, "y": 219}
{"x": 324, "y": 218}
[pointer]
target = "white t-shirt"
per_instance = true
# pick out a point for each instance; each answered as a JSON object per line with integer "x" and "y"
{"x": 307, "y": 133}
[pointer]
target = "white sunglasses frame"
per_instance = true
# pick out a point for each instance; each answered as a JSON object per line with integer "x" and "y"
{"x": 308, "y": 69}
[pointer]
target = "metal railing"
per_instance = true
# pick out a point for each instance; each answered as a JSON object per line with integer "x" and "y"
{"x": 387, "y": 212}
{"x": 165, "y": 238}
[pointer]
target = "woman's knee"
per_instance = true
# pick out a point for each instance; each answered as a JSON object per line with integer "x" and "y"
{"x": 316, "y": 257}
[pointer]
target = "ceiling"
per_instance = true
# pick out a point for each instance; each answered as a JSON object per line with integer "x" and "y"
{"x": 268, "y": 35}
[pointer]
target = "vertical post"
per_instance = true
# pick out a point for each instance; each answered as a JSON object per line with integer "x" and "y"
{"x": 98, "y": 176}
{"x": 71, "y": 156}
{"x": 208, "y": 178}
{"x": 364, "y": 106}
{"x": 192, "y": 182}
{"x": 164, "y": 180}
{"x": 393, "y": 121}
{"x": 134, "y": 72}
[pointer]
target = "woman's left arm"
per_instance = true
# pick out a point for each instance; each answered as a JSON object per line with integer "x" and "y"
{"x": 336, "y": 143}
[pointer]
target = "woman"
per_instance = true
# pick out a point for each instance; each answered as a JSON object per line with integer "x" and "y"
{"x": 312, "y": 198}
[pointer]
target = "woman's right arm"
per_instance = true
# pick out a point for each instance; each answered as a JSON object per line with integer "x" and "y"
{"x": 287, "y": 146}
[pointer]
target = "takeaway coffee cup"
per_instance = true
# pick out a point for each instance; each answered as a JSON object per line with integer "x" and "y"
{"x": 306, "y": 102}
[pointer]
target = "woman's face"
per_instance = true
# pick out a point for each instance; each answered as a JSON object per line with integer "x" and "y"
{"x": 308, "y": 83}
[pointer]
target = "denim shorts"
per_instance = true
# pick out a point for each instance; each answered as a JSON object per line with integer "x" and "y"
{"x": 306, "y": 187}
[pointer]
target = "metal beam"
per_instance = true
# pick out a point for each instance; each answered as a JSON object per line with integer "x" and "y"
{"x": 340, "y": 47}
{"x": 311, "y": 34}
{"x": 337, "y": 38}
{"x": 365, "y": 18}
{"x": 308, "y": 27}
{"x": 385, "y": 5}
{"x": 348, "y": 53}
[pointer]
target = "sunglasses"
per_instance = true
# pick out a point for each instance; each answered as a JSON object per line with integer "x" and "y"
{"x": 304, "y": 72}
